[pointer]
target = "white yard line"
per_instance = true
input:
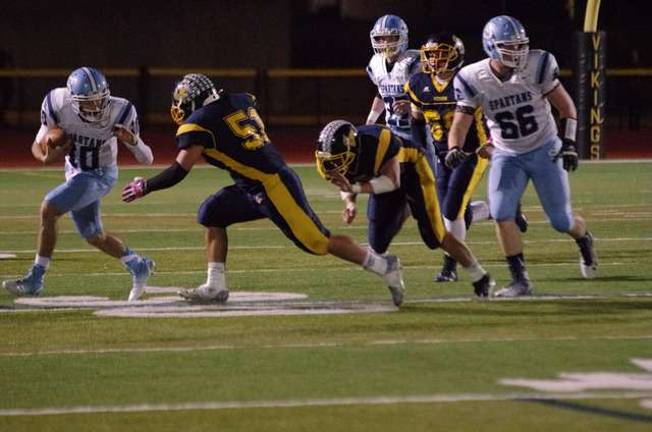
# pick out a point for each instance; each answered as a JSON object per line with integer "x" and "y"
{"x": 290, "y": 246}
{"x": 298, "y": 403}
{"x": 307, "y": 345}
{"x": 299, "y": 270}
{"x": 270, "y": 227}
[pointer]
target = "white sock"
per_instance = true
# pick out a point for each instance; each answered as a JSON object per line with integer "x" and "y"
{"x": 374, "y": 263}
{"x": 42, "y": 261}
{"x": 456, "y": 227}
{"x": 476, "y": 272}
{"x": 124, "y": 259}
{"x": 215, "y": 274}
{"x": 480, "y": 211}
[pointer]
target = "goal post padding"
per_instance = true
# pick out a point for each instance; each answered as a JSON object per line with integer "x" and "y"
{"x": 590, "y": 97}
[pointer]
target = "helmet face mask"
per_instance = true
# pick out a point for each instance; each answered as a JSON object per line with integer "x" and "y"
{"x": 442, "y": 53}
{"x": 191, "y": 93}
{"x": 89, "y": 91}
{"x": 389, "y": 36}
{"x": 336, "y": 149}
{"x": 504, "y": 39}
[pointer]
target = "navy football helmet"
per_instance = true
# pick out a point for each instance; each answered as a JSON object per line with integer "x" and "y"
{"x": 90, "y": 94}
{"x": 389, "y": 36}
{"x": 192, "y": 92}
{"x": 336, "y": 148}
{"x": 504, "y": 39}
{"x": 441, "y": 53}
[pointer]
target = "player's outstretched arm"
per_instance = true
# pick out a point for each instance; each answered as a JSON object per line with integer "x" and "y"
{"x": 139, "y": 187}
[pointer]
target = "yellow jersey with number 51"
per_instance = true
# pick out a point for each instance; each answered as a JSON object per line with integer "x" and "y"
{"x": 517, "y": 111}
{"x": 233, "y": 137}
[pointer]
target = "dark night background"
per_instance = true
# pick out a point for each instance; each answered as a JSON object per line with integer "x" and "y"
{"x": 264, "y": 35}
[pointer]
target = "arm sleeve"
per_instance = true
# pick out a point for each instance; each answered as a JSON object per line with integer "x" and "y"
{"x": 166, "y": 178}
{"x": 142, "y": 152}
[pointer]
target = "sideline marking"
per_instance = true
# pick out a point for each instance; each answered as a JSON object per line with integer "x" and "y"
{"x": 293, "y": 403}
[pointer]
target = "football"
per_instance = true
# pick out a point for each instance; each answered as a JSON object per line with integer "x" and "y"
{"x": 57, "y": 136}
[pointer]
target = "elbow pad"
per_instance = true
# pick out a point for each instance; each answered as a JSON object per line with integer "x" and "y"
{"x": 382, "y": 184}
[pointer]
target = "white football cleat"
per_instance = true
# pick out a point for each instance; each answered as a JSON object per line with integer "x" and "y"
{"x": 518, "y": 288}
{"x": 588, "y": 257}
{"x": 394, "y": 279}
{"x": 205, "y": 294}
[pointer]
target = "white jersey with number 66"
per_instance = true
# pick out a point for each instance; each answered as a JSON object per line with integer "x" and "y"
{"x": 517, "y": 111}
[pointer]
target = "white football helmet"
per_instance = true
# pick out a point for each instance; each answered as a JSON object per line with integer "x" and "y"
{"x": 504, "y": 39}
{"x": 389, "y": 36}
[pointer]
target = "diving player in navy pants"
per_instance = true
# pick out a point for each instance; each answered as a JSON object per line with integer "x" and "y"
{"x": 371, "y": 159}
{"x": 226, "y": 130}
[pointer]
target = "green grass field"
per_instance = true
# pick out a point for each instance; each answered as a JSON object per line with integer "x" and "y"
{"x": 435, "y": 364}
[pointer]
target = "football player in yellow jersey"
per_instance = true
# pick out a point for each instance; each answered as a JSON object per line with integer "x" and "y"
{"x": 225, "y": 130}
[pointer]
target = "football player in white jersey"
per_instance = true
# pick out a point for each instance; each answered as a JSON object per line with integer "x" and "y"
{"x": 389, "y": 69}
{"x": 94, "y": 122}
{"x": 515, "y": 87}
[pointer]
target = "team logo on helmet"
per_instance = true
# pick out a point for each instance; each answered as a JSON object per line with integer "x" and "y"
{"x": 191, "y": 93}
{"x": 336, "y": 148}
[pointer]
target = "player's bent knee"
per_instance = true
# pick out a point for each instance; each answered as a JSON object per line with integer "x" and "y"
{"x": 49, "y": 211}
{"x": 209, "y": 218}
{"x": 561, "y": 223}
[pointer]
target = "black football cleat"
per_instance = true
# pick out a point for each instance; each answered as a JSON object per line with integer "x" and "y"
{"x": 484, "y": 287}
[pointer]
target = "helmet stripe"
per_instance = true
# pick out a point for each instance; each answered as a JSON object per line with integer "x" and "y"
{"x": 516, "y": 27}
{"x": 91, "y": 78}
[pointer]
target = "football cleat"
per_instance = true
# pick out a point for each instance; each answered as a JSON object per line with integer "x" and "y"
{"x": 484, "y": 286}
{"x": 30, "y": 285}
{"x": 394, "y": 278}
{"x": 447, "y": 273}
{"x": 205, "y": 294}
{"x": 588, "y": 257}
{"x": 446, "y": 276}
{"x": 518, "y": 288}
{"x": 141, "y": 268}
